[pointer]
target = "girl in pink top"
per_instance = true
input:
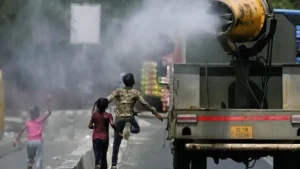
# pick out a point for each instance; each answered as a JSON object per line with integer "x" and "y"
{"x": 35, "y": 127}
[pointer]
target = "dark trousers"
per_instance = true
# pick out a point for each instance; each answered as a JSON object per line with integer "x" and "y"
{"x": 120, "y": 124}
{"x": 100, "y": 150}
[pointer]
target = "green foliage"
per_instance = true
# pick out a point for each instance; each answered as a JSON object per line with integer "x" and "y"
{"x": 296, "y": 4}
{"x": 284, "y": 4}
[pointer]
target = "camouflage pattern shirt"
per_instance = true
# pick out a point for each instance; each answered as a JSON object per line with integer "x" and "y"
{"x": 126, "y": 98}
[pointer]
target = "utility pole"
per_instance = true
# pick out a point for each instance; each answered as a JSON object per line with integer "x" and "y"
{"x": 85, "y": 30}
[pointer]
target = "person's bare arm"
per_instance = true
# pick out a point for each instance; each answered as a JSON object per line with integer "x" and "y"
{"x": 112, "y": 96}
{"x": 112, "y": 124}
{"x": 91, "y": 126}
{"x": 148, "y": 106}
{"x": 19, "y": 136}
{"x": 49, "y": 106}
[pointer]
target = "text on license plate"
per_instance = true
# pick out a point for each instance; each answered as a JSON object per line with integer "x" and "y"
{"x": 241, "y": 132}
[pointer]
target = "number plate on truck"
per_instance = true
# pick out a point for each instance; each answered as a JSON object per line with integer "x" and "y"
{"x": 241, "y": 132}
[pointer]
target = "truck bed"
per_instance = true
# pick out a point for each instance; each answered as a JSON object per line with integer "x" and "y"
{"x": 256, "y": 124}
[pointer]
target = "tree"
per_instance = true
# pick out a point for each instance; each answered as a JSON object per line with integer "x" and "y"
{"x": 296, "y": 4}
{"x": 285, "y": 4}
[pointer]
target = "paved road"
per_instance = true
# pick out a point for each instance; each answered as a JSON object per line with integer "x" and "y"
{"x": 140, "y": 151}
{"x": 52, "y": 149}
{"x": 145, "y": 151}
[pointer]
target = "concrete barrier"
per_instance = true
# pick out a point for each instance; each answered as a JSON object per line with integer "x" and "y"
{"x": 83, "y": 157}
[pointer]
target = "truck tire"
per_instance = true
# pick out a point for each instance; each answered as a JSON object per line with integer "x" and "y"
{"x": 183, "y": 159}
{"x": 180, "y": 156}
{"x": 278, "y": 163}
{"x": 198, "y": 161}
{"x": 287, "y": 161}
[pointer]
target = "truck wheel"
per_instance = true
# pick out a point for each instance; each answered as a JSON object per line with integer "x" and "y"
{"x": 198, "y": 161}
{"x": 278, "y": 163}
{"x": 286, "y": 161}
{"x": 180, "y": 156}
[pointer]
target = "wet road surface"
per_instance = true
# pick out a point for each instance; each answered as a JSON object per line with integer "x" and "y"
{"x": 143, "y": 150}
{"x": 54, "y": 152}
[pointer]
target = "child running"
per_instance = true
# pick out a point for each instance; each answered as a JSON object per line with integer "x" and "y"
{"x": 35, "y": 126}
{"x": 100, "y": 124}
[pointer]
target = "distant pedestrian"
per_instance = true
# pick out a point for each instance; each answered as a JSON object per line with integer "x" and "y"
{"x": 35, "y": 127}
{"x": 100, "y": 124}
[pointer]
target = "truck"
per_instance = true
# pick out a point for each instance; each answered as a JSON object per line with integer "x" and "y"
{"x": 150, "y": 89}
{"x": 237, "y": 94}
{"x": 155, "y": 93}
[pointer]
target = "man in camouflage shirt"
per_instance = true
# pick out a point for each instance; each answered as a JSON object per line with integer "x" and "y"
{"x": 125, "y": 121}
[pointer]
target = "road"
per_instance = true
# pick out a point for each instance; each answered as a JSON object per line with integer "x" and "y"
{"x": 145, "y": 150}
{"x": 140, "y": 151}
{"x": 54, "y": 151}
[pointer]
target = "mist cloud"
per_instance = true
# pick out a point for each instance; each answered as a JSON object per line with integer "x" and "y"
{"x": 146, "y": 29}
{"x": 49, "y": 61}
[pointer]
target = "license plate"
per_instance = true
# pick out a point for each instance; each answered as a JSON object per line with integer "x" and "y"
{"x": 241, "y": 132}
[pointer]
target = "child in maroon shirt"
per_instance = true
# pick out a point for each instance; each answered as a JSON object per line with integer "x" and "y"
{"x": 100, "y": 124}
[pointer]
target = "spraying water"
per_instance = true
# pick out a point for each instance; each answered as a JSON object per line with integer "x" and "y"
{"x": 149, "y": 28}
{"x": 46, "y": 61}
{"x": 146, "y": 29}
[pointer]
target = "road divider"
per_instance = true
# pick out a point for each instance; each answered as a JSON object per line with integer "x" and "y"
{"x": 83, "y": 157}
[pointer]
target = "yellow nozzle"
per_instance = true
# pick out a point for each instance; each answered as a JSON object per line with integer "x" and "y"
{"x": 241, "y": 20}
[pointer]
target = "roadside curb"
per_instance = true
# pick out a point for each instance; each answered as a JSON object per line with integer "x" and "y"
{"x": 76, "y": 159}
{"x": 83, "y": 156}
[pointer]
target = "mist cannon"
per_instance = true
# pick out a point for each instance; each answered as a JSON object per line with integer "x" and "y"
{"x": 241, "y": 20}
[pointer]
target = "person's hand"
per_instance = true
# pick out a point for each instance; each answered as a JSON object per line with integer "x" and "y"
{"x": 159, "y": 116}
{"x": 121, "y": 135}
{"x": 135, "y": 113}
{"x": 15, "y": 143}
{"x": 48, "y": 98}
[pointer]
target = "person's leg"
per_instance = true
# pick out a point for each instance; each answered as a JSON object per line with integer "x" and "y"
{"x": 117, "y": 140}
{"x": 30, "y": 154}
{"x": 127, "y": 130}
{"x": 39, "y": 154}
{"x": 131, "y": 127}
{"x": 97, "y": 151}
{"x": 135, "y": 126}
{"x": 104, "y": 148}
{"x": 31, "y": 150}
